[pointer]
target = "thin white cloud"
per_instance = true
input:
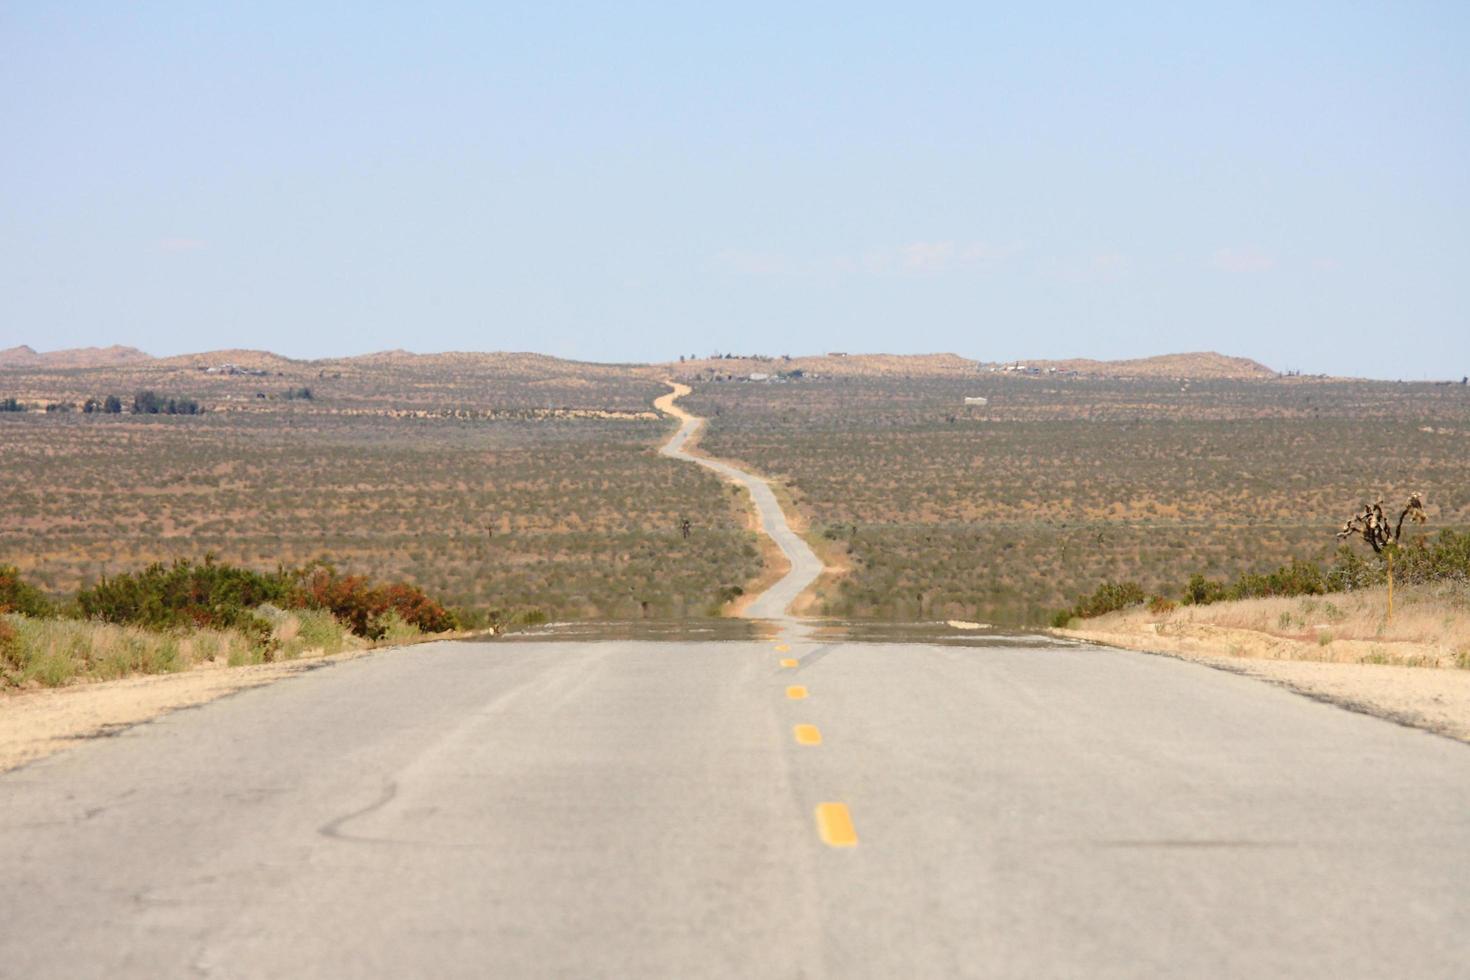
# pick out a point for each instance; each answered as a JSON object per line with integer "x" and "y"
{"x": 932, "y": 257}
{"x": 919, "y": 258}
{"x": 1241, "y": 260}
{"x": 926, "y": 256}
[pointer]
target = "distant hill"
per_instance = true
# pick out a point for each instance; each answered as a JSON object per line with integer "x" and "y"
{"x": 79, "y": 357}
{"x": 255, "y": 360}
{"x": 1206, "y": 364}
{"x": 834, "y": 364}
{"x": 1197, "y": 365}
{"x": 517, "y": 363}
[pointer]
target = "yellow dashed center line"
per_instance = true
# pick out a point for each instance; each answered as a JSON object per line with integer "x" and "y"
{"x": 782, "y": 648}
{"x": 807, "y": 735}
{"x": 788, "y": 662}
{"x": 834, "y": 824}
{"x": 796, "y": 692}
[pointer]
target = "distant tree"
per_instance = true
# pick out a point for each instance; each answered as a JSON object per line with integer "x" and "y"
{"x": 91, "y": 405}
{"x": 151, "y": 403}
{"x": 148, "y": 403}
{"x": 112, "y": 405}
{"x": 1373, "y": 526}
{"x": 11, "y": 405}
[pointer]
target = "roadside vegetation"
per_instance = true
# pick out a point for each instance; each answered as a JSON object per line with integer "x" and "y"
{"x": 172, "y": 617}
{"x": 522, "y": 487}
{"x": 1337, "y": 612}
{"x": 1007, "y": 511}
{"x": 1441, "y": 560}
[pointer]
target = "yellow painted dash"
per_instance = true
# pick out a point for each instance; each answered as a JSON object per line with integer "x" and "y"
{"x": 796, "y": 692}
{"x": 807, "y": 735}
{"x": 788, "y": 662}
{"x": 834, "y": 824}
{"x": 782, "y": 648}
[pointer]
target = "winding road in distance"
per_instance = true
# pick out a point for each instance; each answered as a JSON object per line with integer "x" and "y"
{"x": 1006, "y": 807}
{"x": 805, "y": 565}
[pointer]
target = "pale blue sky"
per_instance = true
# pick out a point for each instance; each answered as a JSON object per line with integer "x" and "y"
{"x": 1289, "y": 182}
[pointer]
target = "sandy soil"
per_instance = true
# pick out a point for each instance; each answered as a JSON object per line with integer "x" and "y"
{"x": 1428, "y": 697}
{"x": 37, "y": 723}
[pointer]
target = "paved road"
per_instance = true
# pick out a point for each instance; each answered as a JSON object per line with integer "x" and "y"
{"x": 744, "y": 809}
{"x": 644, "y": 809}
{"x": 805, "y": 565}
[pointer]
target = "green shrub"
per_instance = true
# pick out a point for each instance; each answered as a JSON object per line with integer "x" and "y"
{"x": 397, "y": 630}
{"x": 320, "y": 631}
{"x": 1298, "y": 578}
{"x": 1109, "y": 597}
{"x": 185, "y": 595}
{"x": 1444, "y": 558}
{"x": 1351, "y": 570}
{"x": 19, "y": 596}
{"x": 1202, "y": 591}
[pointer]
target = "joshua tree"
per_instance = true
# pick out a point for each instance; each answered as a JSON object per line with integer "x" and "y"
{"x": 684, "y": 526}
{"x": 1372, "y": 526}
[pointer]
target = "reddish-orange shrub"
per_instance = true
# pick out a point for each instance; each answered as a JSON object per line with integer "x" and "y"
{"x": 364, "y": 607}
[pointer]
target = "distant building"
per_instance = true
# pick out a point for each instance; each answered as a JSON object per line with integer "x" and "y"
{"x": 759, "y": 376}
{"x": 976, "y": 400}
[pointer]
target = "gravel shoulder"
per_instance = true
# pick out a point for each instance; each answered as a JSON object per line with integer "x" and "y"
{"x": 1436, "y": 699}
{"x": 37, "y": 723}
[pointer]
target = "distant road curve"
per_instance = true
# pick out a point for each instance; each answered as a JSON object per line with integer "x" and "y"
{"x": 775, "y": 602}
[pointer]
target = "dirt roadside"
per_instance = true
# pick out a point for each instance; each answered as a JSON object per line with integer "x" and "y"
{"x": 1432, "y": 698}
{"x": 37, "y": 723}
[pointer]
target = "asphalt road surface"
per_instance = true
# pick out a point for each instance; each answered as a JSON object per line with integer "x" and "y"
{"x": 783, "y": 808}
{"x": 645, "y": 810}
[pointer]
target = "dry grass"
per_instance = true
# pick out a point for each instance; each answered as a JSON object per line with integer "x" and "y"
{"x": 57, "y": 652}
{"x": 54, "y": 652}
{"x": 1425, "y": 614}
{"x": 1005, "y": 513}
{"x": 1430, "y": 628}
{"x": 508, "y": 483}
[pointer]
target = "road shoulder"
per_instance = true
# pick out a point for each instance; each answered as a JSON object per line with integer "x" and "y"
{"x": 38, "y": 723}
{"x": 1431, "y": 698}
